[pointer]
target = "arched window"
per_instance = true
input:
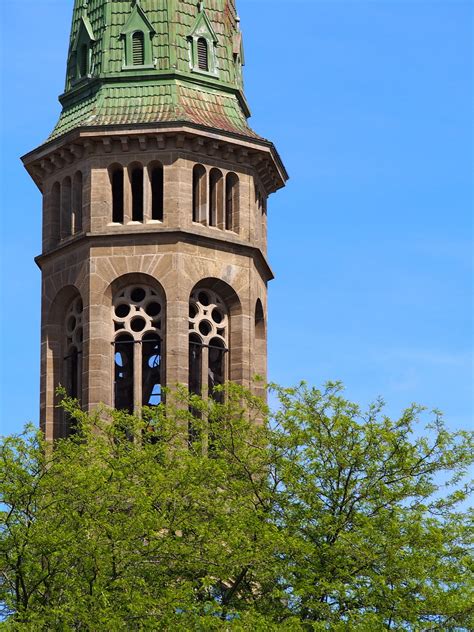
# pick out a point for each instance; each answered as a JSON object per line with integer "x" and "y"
{"x": 155, "y": 172}
{"x": 199, "y": 194}
{"x": 83, "y": 61}
{"x": 116, "y": 181}
{"x": 136, "y": 181}
{"x": 260, "y": 346}
{"x": 77, "y": 203}
{"x": 138, "y": 48}
{"x": 203, "y": 54}
{"x": 216, "y": 194}
{"x": 73, "y": 356}
{"x": 138, "y": 319}
{"x": 55, "y": 213}
{"x": 208, "y": 325}
{"x": 66, "y": 208}
{"x": 232, "y": 202}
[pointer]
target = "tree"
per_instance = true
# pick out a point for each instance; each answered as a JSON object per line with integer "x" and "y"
{"x": 315, "y": 517}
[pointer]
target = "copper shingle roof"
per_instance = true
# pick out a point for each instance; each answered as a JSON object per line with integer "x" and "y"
{"x": 169, "y": 90}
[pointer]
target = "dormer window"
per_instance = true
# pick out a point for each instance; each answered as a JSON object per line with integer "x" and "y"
{"x": 202, "y": 46}
{"x": 81, "y": 58}
{"x": 137, "y": 36}
{"x": 203, "y": 54}
{"x": 138, "y": 48}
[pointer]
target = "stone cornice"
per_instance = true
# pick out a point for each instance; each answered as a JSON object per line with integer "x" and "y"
{"x": 258, "y": 154}
{"x": 123, "y": 237}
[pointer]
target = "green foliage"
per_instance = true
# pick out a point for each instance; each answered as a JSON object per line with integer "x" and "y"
{"x": 316, "y": 517}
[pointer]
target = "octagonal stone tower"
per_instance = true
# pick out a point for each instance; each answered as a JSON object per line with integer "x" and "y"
{"x": 154, "y": 268}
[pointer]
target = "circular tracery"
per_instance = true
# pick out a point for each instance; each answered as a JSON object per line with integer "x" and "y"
{"x": 137, "y": 309}
{"x": 74, "y": 324}
{"x": 208, "y": 318}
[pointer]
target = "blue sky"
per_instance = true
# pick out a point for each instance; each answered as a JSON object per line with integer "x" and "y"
{"x": 370, "y": 105}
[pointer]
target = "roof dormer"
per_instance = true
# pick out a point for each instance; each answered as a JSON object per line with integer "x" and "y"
{"x": 81, "y": 54}
{"x": 202, "y": 45}
{"x": 138, "y": 34}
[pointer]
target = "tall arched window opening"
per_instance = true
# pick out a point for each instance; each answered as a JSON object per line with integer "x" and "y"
{"x": 199, "y": 194}
{"x": 116, "y": 179}
{"x": 208, "y": 326}
{"x": 136, "y": 180}
{"x": 66, "y": 208}
{"x": 77, "y": 203}
{"x": 157, "y": 192}
{"x": 138, "y": 321}
{"x": 138, "y": 48}
{"x": 55, "y": 213}
{"x": 216, "y": 193}
{"x": 203, "y": 54}
{"x": 232, "y": 202}
{"x": 73, "y": 357}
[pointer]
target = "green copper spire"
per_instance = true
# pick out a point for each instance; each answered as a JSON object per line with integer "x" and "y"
{"x": 154, "y": 61}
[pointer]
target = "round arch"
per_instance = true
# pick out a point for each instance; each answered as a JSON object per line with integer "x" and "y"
{"x": 62, "y": 338}
{"x": 235, "y": 322}
{"x": 136, "y": 312}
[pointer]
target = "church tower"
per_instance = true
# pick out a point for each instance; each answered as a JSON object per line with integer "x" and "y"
{"x": 154, "y": 267}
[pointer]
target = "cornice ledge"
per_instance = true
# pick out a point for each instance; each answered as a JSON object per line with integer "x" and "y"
{"x": 168, "y": 235}
{"x": 257, "y": 152}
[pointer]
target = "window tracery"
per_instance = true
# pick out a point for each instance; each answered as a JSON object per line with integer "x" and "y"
{"x": 138, "y": 324}
{"x": 208, "y": 342}
{"x": 73, "y": 354}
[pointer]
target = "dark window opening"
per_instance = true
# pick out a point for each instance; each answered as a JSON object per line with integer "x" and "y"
{"x": 55, "y": 211}
{"x": 83, "y": 60}
{"x": 195, "y": 380}
{"x": 77, "y": 203}
{"x": 124, "y": 371}
{"x": 259, "y": 320}
{"x": 216, "y": 373}
{"x": 195, "y": 365}
{"x": 157, "y": 199}
{"x": 231, "y": 202}
{"x": 137, "y": 194}
{"x": 216, "y": 376}
{"x": 73, "y": 386}
{"x": 151, "y": 370}
{"x": 72, "y": 363}
{"x": 117, "y": 196}
{"x": 138, "y": 294}
{"x": 66, "y": 208}
{"x": 199, "y": 193}
{"x": 138, "y": 49}
{"x": 215, "y": 198}
{"x": 203, "y": 54}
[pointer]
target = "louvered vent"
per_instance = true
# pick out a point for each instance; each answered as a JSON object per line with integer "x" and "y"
{"x": 138, "y": 49}
{"x": 83, "y": 59}
{"x": 203, "y": 61}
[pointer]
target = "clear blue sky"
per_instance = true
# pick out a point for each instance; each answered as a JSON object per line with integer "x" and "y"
{"x": 370, "y": 104}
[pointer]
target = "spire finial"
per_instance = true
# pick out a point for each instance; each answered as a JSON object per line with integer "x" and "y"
{"x": 201, "y": 6}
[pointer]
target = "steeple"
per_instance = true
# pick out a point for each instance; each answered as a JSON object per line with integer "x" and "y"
{"x": 148, "y": 61}
{"x": 154, "y": 261}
